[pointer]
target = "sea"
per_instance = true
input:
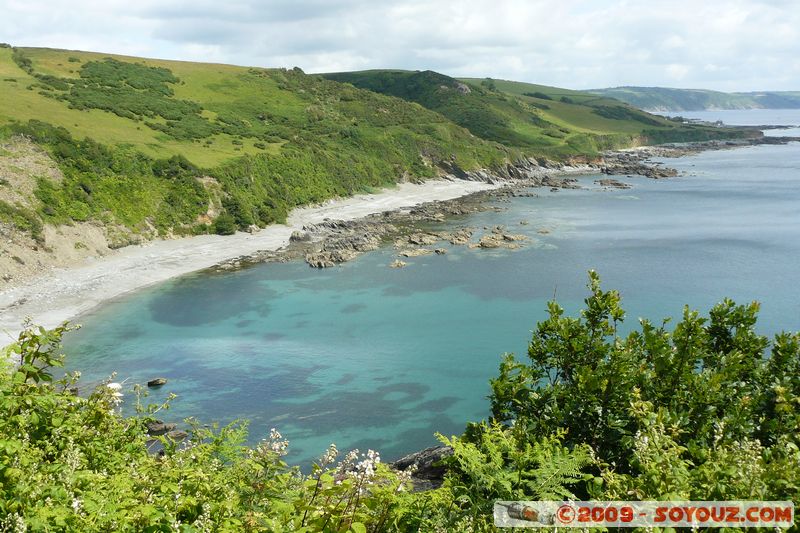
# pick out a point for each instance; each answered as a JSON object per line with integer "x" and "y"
{"x": 372, "y": 357}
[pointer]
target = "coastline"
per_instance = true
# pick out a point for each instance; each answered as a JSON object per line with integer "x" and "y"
{"x": 65, "y": 293}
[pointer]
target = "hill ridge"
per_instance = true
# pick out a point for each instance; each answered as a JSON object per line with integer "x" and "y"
{"x": 688, "y": 99}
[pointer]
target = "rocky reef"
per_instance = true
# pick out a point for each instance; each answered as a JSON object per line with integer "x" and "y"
{"x": 333, "y": 242}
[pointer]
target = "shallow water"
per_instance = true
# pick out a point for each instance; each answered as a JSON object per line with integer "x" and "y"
{"x": 372, "y": 357}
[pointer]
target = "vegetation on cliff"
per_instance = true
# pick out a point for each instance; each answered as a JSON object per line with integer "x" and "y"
{"x": 164, "y": 147}
{"x": 540, "y": 120}
{"x": 707, "y": 409}
{"x": 132, "y": 137}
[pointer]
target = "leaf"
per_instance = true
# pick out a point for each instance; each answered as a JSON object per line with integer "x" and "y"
{"x": 358, "y": 527}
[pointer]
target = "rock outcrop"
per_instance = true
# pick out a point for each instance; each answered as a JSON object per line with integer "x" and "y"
{"x": 157, "y": 382}
{"x": 612, "y": 183}
{"x": 159, "y": 427}
{"x": 426, "y": 467}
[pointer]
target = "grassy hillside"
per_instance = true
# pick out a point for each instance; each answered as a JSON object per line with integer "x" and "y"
{"x": 665, "y": 99}
{"x": 544, "y": 120}
{"x": 132, "y": 135}
{"x": 153, "y": 147}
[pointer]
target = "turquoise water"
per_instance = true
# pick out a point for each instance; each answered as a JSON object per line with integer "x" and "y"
{"x": 372, "y": 357}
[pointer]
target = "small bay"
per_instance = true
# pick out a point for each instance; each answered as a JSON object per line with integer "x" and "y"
{"x": 373, "y": 357}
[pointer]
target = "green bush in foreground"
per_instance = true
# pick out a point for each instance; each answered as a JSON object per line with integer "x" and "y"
{"x": 70, "y": 463}
{"x": 708, "y": 410}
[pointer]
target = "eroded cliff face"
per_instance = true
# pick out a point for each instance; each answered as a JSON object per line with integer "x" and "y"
{"x": 29, "y": 247}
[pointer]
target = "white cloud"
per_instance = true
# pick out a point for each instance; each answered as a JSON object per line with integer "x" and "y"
{"x": 718, "y": 44}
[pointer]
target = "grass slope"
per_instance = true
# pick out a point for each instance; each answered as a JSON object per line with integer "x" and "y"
{"x": 153, "y": 146}
{"x": 131, "y": 136}
{"x": 667, "y": 99}
{"x": 536, "y": 119}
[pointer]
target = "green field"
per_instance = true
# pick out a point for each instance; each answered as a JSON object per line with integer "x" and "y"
{"x": 134, "y": 136}
{"x": 537, "y": 119}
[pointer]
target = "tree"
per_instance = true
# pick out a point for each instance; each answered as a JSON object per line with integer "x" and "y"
{"x": 684, "y": 398}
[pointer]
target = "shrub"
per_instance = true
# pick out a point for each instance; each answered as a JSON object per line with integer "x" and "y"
{"x": 619, "y": 112}
{"x": 74, "y": 463}
{"x": 540, "y": 95}
{"x": 22, "y": 61}
{"x": 225, "y": 224}
{"x": 176, "y": 166}
{"x": 661, "y": 409}
{"x": 101, "y": 181}
{"x": 22, "y": 218}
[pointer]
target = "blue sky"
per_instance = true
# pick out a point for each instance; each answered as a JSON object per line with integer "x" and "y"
{"x": 726, "y": 45}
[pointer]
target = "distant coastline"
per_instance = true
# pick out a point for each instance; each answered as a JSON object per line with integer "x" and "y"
{"x": 669, "y": 100}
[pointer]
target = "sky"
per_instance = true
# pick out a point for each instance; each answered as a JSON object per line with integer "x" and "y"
{"x": 727, "y": 45}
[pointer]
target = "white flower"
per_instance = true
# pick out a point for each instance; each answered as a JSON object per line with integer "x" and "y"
{"x": 116, "y": 392}
{"x": 13, "y": 523}
{"x": 274, "y": 444}
{"x": 366, "y": 467}
{"x": 329, "y": 456}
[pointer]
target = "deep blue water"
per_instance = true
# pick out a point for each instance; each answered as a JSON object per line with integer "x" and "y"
{"x": 372, "y": 357}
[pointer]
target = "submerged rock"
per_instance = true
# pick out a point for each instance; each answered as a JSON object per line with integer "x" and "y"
{"x": 416, "y": 252}
{"x": 157, "y": 382}
{"x": 398, "y": 264}
{"x": 610, "y": 182}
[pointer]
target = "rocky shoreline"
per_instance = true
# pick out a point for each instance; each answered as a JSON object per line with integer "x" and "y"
{"x": 316, "y": 233}
{"x": 332, "y": 242}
